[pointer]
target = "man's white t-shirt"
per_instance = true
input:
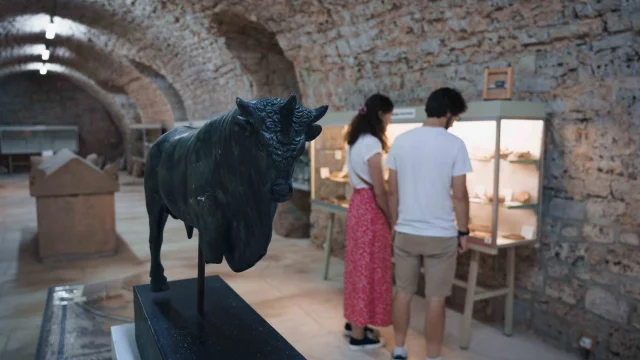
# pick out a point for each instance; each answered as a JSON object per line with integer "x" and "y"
{"x": 358, "y": 155}
{"x": 425, "y": 159}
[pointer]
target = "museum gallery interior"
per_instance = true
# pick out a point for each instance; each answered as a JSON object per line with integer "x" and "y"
{"x": 114, "y": 120}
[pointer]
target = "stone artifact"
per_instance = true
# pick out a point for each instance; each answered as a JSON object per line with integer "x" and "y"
{"x": 226, "y": 178}
{"x": 75, "y": 206}
{"x": 521, "y": 197}
{"x": 513, "y": 237}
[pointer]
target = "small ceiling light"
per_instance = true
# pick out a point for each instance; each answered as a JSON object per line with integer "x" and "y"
{"x": 43, "y": 69}
{"x": 51, "y": 31}
{"x": 45, "y": 54}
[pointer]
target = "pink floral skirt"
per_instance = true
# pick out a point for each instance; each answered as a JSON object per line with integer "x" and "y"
{"x": 368, "y": 283}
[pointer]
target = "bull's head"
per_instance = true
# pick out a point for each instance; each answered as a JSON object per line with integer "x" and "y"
{"x": 281, "y": 129}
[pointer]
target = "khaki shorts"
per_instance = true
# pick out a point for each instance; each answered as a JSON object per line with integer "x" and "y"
{"x": 438, "y": 255}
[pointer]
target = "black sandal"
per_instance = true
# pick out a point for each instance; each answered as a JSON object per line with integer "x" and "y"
{"x": 368, "y": 331}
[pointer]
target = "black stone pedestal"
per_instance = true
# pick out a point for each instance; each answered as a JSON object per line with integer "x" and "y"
{"x": 168, "y": 326}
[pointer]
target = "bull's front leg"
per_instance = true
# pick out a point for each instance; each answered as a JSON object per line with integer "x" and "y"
{"x": 158, "y": 213}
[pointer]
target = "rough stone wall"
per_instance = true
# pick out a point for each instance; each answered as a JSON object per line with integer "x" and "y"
{"x": 582, "y": 58}
{"x": 33, "y": 99}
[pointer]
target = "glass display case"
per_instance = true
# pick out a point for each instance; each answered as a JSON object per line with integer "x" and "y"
{"x": 302, "y": 171}
{"x": 330, "y": 188}
{"x": 505, "y": 141}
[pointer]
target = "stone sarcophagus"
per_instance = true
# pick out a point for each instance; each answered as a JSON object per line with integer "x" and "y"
{"x": 75, "y": 207}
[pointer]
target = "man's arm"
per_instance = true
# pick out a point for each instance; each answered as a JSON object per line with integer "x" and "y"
{"x": 461, "y": 206}
{"x": 393, "y": 198}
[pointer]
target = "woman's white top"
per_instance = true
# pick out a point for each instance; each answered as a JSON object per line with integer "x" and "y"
{"x": 358, "y": 155}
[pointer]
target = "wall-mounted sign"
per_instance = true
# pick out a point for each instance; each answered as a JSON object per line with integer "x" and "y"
{"x": 498, "y": 84}
{"x": 403, "y": 113}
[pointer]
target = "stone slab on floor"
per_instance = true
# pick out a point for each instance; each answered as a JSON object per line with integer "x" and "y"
{"x": 72, "y": 330}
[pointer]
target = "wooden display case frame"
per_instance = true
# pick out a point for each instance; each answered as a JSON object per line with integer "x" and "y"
{"x": 401, "y": 115}
{"x": 477, "y": 111}
{"x": 38, "y": 133}
{"x": 500, "y": 111}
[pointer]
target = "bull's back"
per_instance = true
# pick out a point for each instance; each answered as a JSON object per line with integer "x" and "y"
{"x": 166, "y": 167}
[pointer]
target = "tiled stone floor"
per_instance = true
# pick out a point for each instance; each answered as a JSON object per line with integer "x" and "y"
{"x": 285, "y": 287}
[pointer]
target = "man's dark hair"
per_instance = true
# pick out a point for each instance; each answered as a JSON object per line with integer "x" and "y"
{"x": 445, "y": 101}
{"x": 369, "y": 122}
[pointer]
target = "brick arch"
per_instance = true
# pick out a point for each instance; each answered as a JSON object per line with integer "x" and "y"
{"x": 172, "y": 44}
{"x": 83, "y": 82}
{"x": 259, "y": 54}
{"x": 109, "y": 72}
{"x": 169, "y": 91}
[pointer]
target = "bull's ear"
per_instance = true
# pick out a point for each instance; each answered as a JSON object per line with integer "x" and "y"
{"x": 244, "y": 108}
{"x": 312, "y": 132}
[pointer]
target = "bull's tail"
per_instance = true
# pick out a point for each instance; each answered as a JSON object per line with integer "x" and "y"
{"x": 189, "y": 230}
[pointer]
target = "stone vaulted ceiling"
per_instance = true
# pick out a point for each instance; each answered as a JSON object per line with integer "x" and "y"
{"x": 168, "y": 58}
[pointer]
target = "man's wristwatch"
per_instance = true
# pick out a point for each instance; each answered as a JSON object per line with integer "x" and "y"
{"x": 463, "y": 233}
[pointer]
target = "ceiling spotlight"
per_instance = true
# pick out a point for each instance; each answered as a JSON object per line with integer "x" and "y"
{"x": 45, "y": 54}
{"x": 51, "y": 31}
{"x": 43, "y": 69}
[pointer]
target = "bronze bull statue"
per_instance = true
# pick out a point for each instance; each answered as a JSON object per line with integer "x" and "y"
{"x": 226, "y": 179}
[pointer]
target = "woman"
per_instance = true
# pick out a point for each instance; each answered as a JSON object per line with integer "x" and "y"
{"x": 368, "y": 272}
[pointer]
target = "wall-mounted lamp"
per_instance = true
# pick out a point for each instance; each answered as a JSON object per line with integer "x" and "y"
{"x": 51, "y": 30}
{"x": 45, "y": 54}
{"x": 43, "y": 69}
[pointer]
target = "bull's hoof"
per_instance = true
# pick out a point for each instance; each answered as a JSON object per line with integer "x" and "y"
{"x": 159, "y": 286}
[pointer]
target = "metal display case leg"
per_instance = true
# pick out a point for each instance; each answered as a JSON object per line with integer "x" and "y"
{"x": 327, "y": 246}
{"x": 465, "y": 326}
{"x": 511, "y": 269}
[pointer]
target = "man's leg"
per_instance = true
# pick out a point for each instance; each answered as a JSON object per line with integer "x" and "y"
{"x": 440, "y": 267}
{"x": 401, "y": 316}
{"x": 434, "y": 326}
{"x": 407, "y": 270}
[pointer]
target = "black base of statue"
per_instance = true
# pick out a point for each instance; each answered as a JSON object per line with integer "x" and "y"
{"x": 168, "y": 325}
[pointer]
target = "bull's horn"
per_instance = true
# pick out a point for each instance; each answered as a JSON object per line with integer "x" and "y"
{"x": 244, "y": 107}
{"x": 287, "y": 110}
{"x": 318, "y": 113}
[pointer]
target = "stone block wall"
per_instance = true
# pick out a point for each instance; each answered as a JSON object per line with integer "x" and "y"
{"x": 581, "y": 58}
{"x": 32, "y": 99}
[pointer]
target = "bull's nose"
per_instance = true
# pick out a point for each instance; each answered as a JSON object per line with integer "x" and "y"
{"x": 282, "y": 189}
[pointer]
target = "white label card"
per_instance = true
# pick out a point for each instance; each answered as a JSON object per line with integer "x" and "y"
{"x": 403, "y": 113}
{"x": 479, "y": 190}
{"x": 338, "y": 155}
{"x": 47, "y": 153}
{"x": 528, "y": 232}
{"x": 324, "y": 172}
{"x": 508, "y": 195}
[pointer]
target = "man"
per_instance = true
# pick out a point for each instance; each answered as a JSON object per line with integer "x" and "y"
{"x": 428, "y": 165}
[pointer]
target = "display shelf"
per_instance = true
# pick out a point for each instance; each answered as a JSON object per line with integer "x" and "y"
{"x": 522, "y": 161}
{"x": 525, "y": 161}
{"x": 506, "y": 205}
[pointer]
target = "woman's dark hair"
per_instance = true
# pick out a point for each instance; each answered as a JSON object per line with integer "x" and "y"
{"x": 445, "y": 101}
{"x": 367, "y": 120}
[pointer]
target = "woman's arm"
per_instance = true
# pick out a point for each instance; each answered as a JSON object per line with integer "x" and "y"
{"x": 377, "y": 180}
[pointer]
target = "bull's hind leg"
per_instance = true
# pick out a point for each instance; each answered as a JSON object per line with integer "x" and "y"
{"x": 157, "y": 219}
